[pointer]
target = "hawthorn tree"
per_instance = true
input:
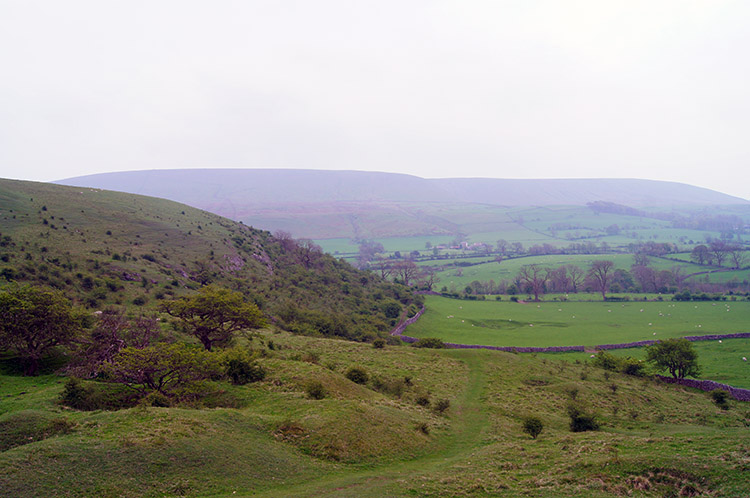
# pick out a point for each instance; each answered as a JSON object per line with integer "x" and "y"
{"x": 163, "y": 368}
{"x": 33, "y": 320}
{"x": 214, "y": 314}
{"x": 676, "y": 355}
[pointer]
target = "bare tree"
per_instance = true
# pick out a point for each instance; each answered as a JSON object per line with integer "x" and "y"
{"x": 738, "y": 256}
{"x": 719, "y": 249}
{"x": 600, "y": 274}
{"x": 577, "y": 277}
{"x": 406, "y": 271}
{"x": 534, "y": 278}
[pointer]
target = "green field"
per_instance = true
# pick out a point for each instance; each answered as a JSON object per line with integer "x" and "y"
{"x": 545, "y": 324}
{"x": 719, "y": 361}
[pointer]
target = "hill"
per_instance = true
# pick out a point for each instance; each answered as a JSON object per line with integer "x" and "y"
{"x": 106, "y": 248}
{"x": 358, "y": 205}
{"x": 383, "y": 438}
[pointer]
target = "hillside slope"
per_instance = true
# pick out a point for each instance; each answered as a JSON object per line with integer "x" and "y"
{"x": 105, "y": 247}
{"x": 370, "y": 441}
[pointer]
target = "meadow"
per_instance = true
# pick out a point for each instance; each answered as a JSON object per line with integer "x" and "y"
{"x": 544, "y": 324}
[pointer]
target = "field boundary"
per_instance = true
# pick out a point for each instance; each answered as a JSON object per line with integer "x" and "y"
{"x": 709, "y": 385}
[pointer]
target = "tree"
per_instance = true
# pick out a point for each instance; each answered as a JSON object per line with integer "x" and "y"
{"x": 675, "y": 355}
{"x": 33, "y": 320}
{"x": 406, "y": 271}
{"x": 700, "y": 254}
{"x": 719, "y": 249}
{"x": 738, "y": 256}
{"x": 534, "y": 278}
{"x": 215, "y": 314}
{"x": 601, "y": 274}
{"x": 163, "y": 368}
{"x": 577, "y": 276}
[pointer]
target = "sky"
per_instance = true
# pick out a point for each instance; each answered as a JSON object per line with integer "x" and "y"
{"x": 653, "y": 89}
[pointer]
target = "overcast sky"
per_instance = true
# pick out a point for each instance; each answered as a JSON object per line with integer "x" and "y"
{"x": 508, "y": 89}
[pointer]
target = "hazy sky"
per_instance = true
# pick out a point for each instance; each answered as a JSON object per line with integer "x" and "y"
{"x": 510, "y": 89}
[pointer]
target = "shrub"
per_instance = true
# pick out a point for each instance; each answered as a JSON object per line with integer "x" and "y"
{"x": 315, "y": 390}
{"x": 429, "y": 342}
{"x": 241, "y": 371}
{"x": 423, "y": 400}
{"x": 442, "y": 405}
{"x": 423, "y": 428}
{"x": 357, "y": 375}
{"x": 378, "y": 343}
{"x": 393, "y": 387}
{"x": 77, "y": 396}
{"x": 532, "y": 426}
{"x": 581, "y": 421}
{"x": 720, "y": 398}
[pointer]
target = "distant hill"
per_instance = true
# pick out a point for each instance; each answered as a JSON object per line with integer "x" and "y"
{"x": 356, "y": 204}
{"x": 105, "y": 248}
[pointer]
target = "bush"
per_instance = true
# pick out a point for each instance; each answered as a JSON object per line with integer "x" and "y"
{"x": 241, "y": 371}
{"x": 423, "y": 400}
{"x": 581, "y": 421}
{"x": 429, "y": 342}
{"x": 442, "y": 405}
{"x": 357, "y": 375}
{"x": 77, "y": 396}
{"x": 720, "y": 398}
{"x": 532, "y": 426}
{"x": 378, "y": 343}
{"x": 315, "y": 390}
{"x": 392, "y": 387}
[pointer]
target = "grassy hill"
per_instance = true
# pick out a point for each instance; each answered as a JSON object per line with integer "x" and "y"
{"x": 105, "y": 248}
{"x": 372, "y": 440}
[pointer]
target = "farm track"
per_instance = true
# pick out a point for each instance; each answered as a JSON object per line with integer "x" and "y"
{"x": 469, "y": 422}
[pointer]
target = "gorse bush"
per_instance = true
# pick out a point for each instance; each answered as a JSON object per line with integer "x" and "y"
{"x": 378, "y": 343}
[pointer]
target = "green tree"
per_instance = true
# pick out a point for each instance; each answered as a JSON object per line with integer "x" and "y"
{"x": 162, "y": 368}
{"x": 675, "y": 355}
{"x": 33, "y": 320}
{"x": 214, "y": 314}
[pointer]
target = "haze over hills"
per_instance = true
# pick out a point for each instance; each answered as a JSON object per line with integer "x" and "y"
{"x": 356, "y": 204}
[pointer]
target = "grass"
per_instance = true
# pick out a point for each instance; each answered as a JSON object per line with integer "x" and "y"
{"x": 361, "y": 442}
{"x": 719, "y": 361}
{"x": 574, "y": 323}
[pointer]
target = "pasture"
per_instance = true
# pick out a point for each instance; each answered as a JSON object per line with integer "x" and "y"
{"x": 543, "y": 324}
{"x": 719, "y": 361}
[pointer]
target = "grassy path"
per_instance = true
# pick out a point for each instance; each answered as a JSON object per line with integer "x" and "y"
{"x": 469, "y": 420}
